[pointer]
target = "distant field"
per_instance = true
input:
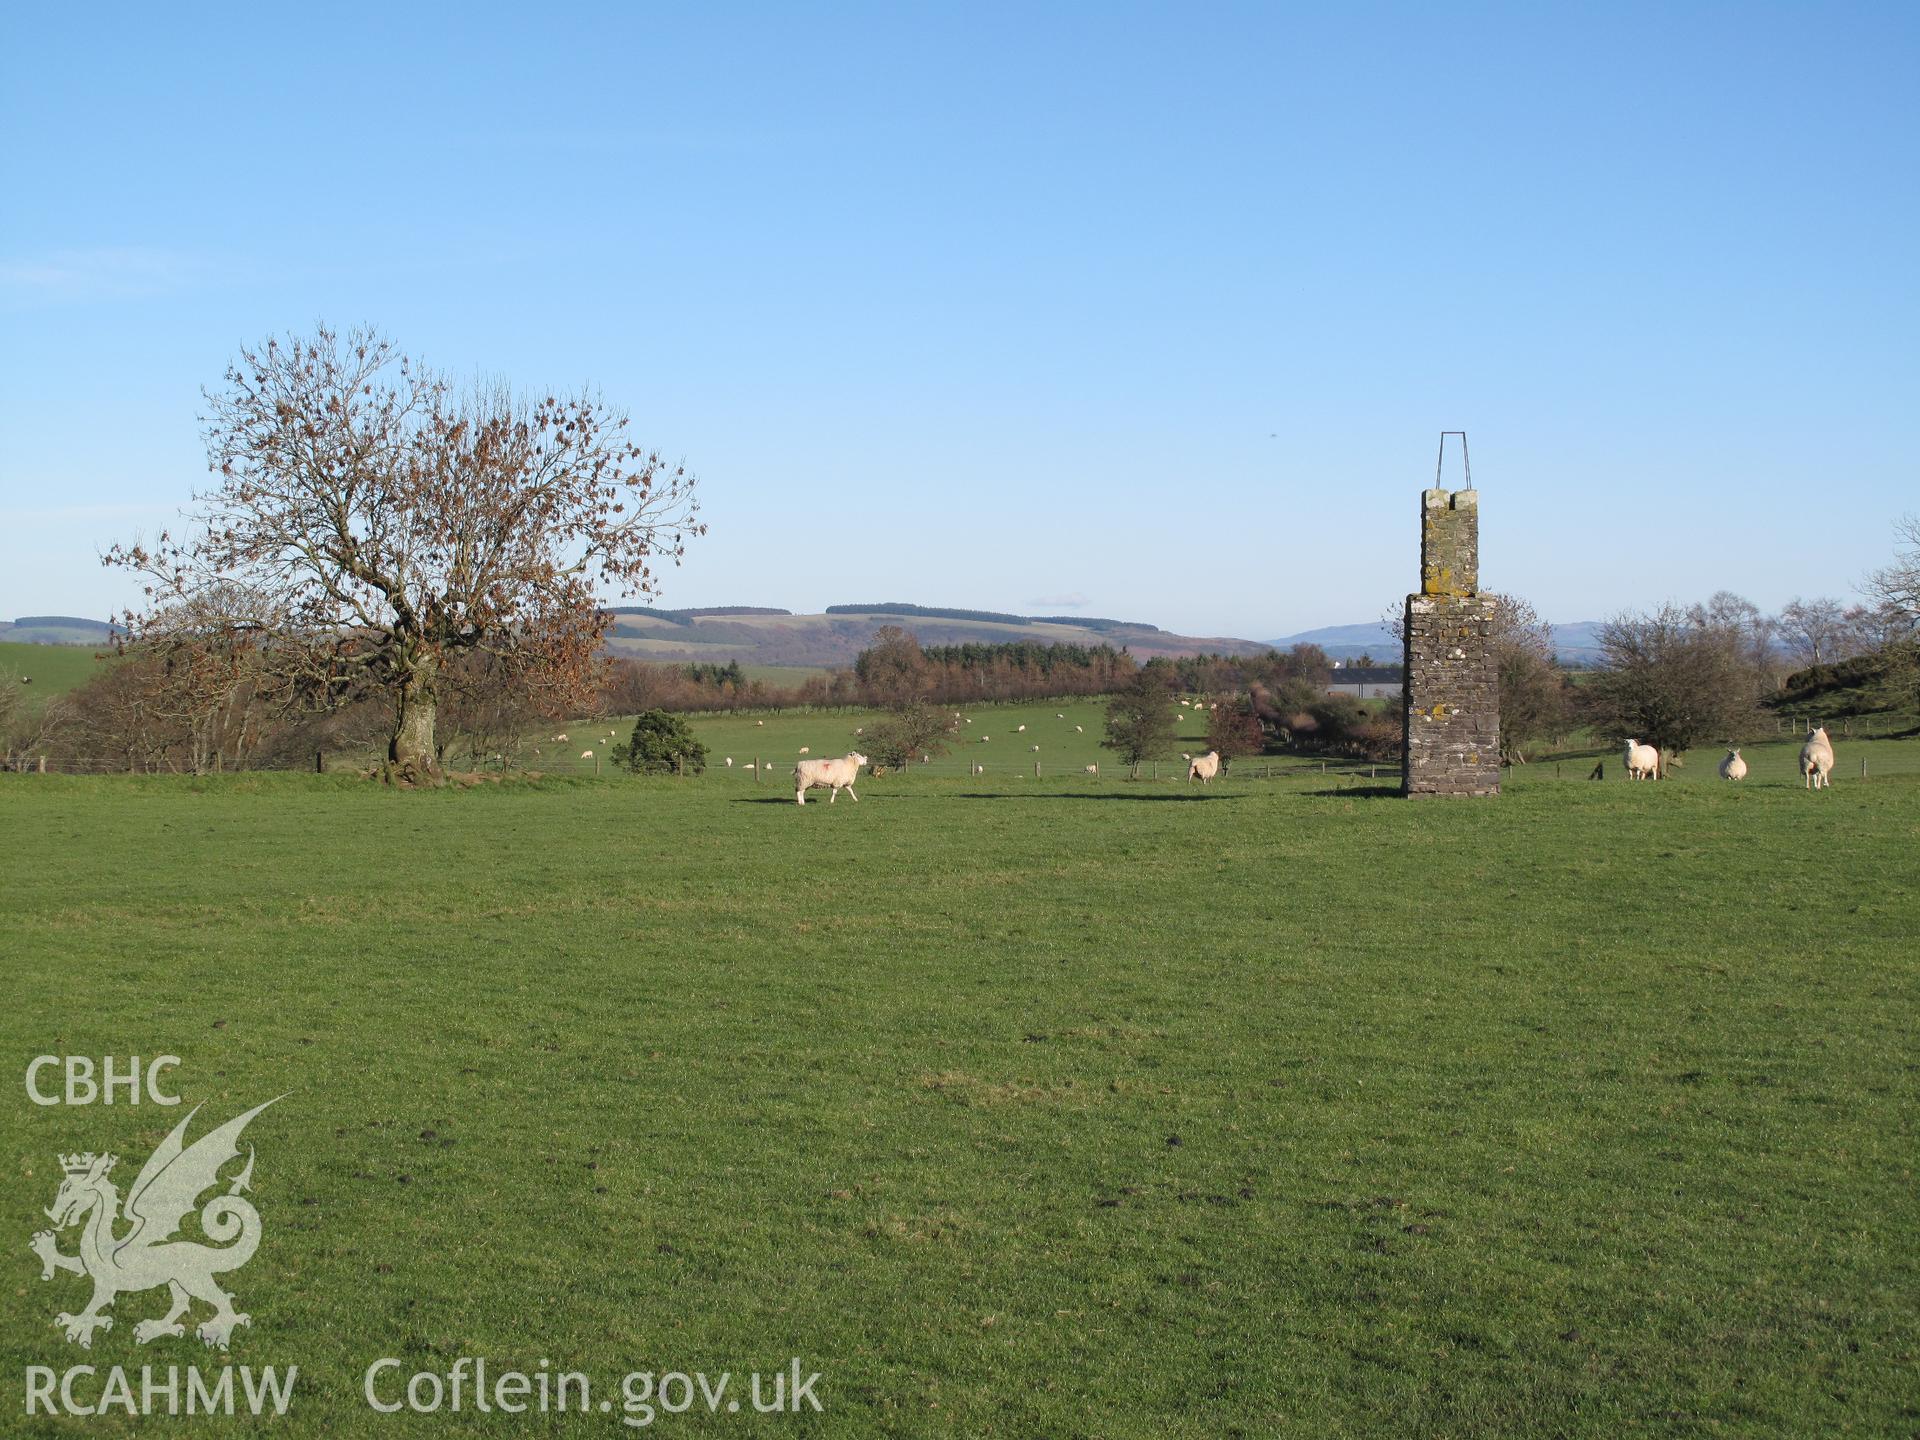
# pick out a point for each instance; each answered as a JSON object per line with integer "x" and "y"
{"x": 53, "y": 669}
{"x": 1060, "y": 1107}
{"x": 995, "y": 741}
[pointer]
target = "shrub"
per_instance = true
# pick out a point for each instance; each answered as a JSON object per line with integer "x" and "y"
{"x": 661, "y": 745}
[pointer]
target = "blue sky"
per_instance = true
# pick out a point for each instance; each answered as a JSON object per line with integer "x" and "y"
{"x": 1146, "y": 311}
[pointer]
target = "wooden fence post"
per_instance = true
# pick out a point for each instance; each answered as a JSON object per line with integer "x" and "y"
{"x": 319, "y": 762}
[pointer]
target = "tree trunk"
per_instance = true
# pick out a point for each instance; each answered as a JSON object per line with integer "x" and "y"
{"x": 411, "y": 753}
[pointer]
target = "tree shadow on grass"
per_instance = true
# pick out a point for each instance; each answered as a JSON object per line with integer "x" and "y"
{"x": 1358, "y": 792}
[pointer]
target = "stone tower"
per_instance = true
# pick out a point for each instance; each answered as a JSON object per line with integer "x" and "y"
{"x": 1452, "y": 725}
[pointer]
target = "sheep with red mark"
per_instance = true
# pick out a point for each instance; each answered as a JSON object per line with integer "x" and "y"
{"x": 835, "y": 775}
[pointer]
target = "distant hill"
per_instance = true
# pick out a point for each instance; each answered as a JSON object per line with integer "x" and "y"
{"x": 55, "y": 630}
{"x": 835, "y": 637}
{"x": 1575, "y": 643}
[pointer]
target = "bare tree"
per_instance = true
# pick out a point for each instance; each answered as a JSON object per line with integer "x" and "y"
{"x": 1672, "y": 681}
{"x": 913, "y": 729}
{"x": 1533, "y": 691}
{"x": 1234, "y": 729}
{"x": 367, "y": 525}
{"x": 1814, "y": 631}
{"x": 1758, "y": 632}
{"x": 1897, "y": 586}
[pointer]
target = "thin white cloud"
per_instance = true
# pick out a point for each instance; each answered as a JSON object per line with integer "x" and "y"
{"x": 1073, "y": 601}
{"x": 109, "y": 272}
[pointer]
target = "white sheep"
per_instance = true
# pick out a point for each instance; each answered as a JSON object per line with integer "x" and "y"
{"x": 1092, "y": 769}
{"x": 1019, "y": 729}
{"x": 1642, "y": 761}
{"x": 836, "y": 775}
{"x": 586, "y": 754}
{"x": 1816, "y": 759}
{"x": 1079, "y": 729}
{"x": 1058, "y": 716}
{"x": 1733, "y": 767}
{"x": 561, "y": 738}
{"x": 979, "y": 769}
{"x": 729, "y": 762}
{"x": 804, "y": 749}
{"x": 759, "y": 722}
{"x": 1034, "y": 748}
{"x": 1204, "y": 766}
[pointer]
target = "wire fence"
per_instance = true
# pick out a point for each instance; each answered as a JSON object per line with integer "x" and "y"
{"x": 1867, "y": 746}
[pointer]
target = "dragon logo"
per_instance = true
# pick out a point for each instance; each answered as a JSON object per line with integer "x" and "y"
{"x": 152, "y": 1253}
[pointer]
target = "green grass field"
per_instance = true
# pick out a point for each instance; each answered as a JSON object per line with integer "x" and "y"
{"x": 994, "y": 740}
{"x": 1016, "y": 1107}
{"x": 52, "y": 669}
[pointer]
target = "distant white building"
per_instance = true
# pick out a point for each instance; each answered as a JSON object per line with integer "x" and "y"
{"x": 1372, "y": 682}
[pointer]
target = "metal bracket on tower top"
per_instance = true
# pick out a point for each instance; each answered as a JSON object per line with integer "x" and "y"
{"x": 1465, "y": 463}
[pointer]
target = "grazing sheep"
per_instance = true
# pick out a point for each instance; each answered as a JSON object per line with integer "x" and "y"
{"x": 1092, "y": 769}
{"x": 805, "y": 748}
{"x": 859, "y": 729}
{"x": 1733, "y": 767}
{"x": 1034, "y": 748}
{"x": 979, "y": 769}
{"x": 836, "y": 775}
{"x": 1079, "y": 729}
{"x": 561, "y": 738}
{"x": 586, "y": 754}
{"x": 1643, "y": 761}
{"x": 729, "y": 762}
{"x": 1205, "y": 766}
{"x": 1816, "y": 759}
{"x": 1058, "y": 716}
{"x": 985, "y": 738}
{"x": 759, "y": 722}
{"x": 1019, "y": 729}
